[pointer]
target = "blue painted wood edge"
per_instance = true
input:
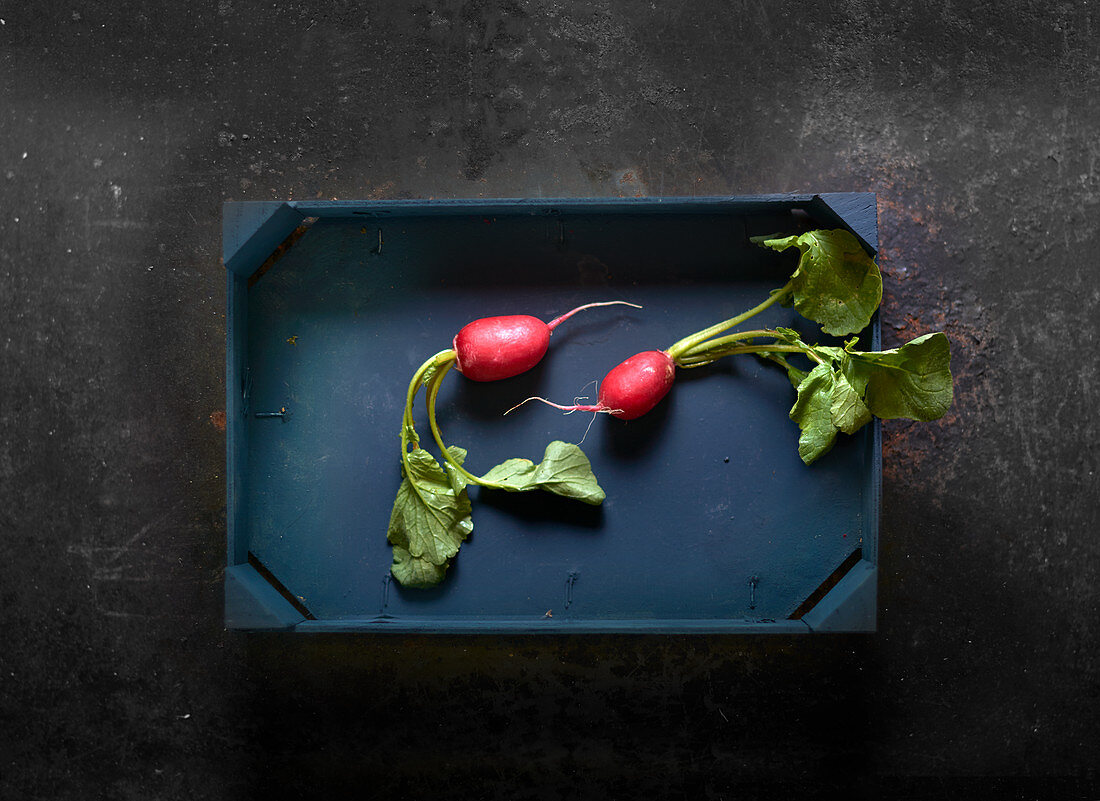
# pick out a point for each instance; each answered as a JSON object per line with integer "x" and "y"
{"x": 236, "y": 416}
{"x": 859, "y": 212}
{"x": 851, "y": 605}
{"x": 561, "y": 205}
{"x": 872, "y": 496}
{"x": 252, "y": 603}
{"x": 251, "y": 231}
{"x": 424, "y": 625}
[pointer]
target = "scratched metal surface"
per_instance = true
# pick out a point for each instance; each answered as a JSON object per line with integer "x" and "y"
{"x": 122, "y": 129}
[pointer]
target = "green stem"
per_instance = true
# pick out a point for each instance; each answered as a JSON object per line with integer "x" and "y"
{"x": 714, "y": 349}
{"x": 719, "y": 343}
{"x": 433, "y": 392}
{"x": 408, "y": 430}
{"x": 786, "y": 365}
{"x": 698, "y": 360}
{"x": 407, "y": 426}
{"x": 687, "y": 343}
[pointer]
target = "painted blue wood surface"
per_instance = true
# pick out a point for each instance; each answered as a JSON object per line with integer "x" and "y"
{"x": 335, "y": 329}
{"x": 850, "y": 606}
{"x": 252, "y": 230}
{"x": 856, "y": 210}
{"x": 252, "y": 603}
{"x": 550, "y": 625}
{"x": 237, "y": 421}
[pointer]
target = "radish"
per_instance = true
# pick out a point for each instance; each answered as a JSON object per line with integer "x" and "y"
{"x": 494, "y": 348}
{"x": 431, "y": 514}
{"x": 838, "y": 285}
{"x": 630, "y": 389}
{"x": 639, "y": 383}
{"x": 634, "y": 387}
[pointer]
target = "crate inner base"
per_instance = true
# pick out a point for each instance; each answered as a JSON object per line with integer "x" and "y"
{"x": 709, "y": 515}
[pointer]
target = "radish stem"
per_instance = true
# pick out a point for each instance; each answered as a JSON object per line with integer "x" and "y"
{"x": 407, "y": 427}
{"x": 433, "y": 392}
{"x": 687, "y": 343}
{"x": 706, "y": 358}
{"x": 713, "y": 349}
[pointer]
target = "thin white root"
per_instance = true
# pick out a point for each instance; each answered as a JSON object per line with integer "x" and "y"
{"x": 610, "y": 303}
{"x": 567, "y": 409}
{"x": 525, "y": 400}
{"x": 586, "y": 430}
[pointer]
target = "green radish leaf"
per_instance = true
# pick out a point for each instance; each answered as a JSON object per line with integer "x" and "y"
{"x": 912, "y": 381}
{"x": 812, "y": 412}
{"x": 796, "y": 376}
{"x": 836, "y": 283}
{"x": 414, "y": 572}
{"x": 458, "y": 481}
{"x": 788, "y": 334}
{"x": 564, "y": 470}
{"x": 514, "y": 475}
{"x": 775, "y": 242}
{"x": 824, "y": 352}
{"x": 830, "y": 352}
{"x": 431, "y": 514}
{"x": 846, "y": 407}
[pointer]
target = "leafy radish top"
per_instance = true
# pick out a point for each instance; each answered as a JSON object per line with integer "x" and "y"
{"x": 431, "y": 514}
{"x": 838, "y": 285}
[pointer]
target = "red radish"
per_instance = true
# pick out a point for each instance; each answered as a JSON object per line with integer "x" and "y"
{"x": 493, "y": 348}
{"x": 631, "y": 389}
{"x": 637, "y": 385}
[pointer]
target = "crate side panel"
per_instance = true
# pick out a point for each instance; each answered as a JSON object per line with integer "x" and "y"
{"x": 236, "y": 440}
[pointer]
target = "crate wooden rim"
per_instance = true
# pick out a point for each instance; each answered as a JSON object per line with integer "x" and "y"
{"x": 255, "y": 233}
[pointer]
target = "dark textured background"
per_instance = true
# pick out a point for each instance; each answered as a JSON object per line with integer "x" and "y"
{"x": 124, "y": 126}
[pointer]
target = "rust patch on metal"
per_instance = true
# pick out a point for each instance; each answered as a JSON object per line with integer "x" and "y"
{"x": 917, "y": 299}
{"x": 218, "y": 420}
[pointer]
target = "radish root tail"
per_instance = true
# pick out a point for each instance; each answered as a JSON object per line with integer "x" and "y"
{"x": 559, "y": 320}
{"x": 567, "y": 409}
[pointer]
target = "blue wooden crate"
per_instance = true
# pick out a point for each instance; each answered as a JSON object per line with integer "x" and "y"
{"x": 711, "y": 524}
